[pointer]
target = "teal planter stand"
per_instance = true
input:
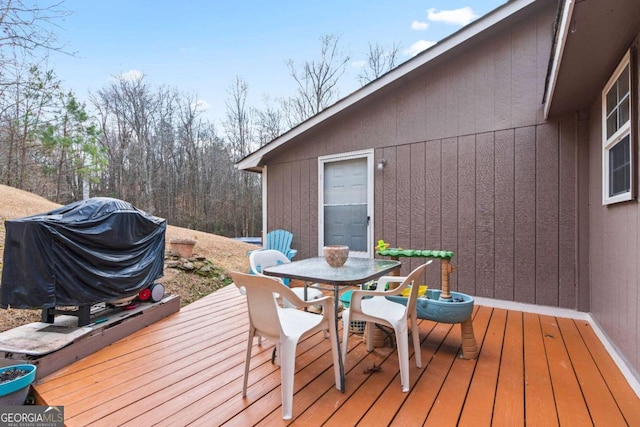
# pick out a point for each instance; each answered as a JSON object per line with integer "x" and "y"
{"x": 15, "y": 391}
{"x": 431, "y": 307}
{"x": 440, "y": 305}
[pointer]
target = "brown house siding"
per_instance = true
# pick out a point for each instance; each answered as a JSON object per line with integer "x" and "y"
{"x": 495, "y": 199}
{"x": 504, "y": 201}
{"x": 614, "y": 253}
{"x": 471, "y": 167}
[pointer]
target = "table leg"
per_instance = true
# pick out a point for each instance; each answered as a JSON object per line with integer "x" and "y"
{"x": 336, "y": 302}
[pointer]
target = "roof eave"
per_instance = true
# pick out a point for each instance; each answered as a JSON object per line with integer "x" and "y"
{"x": 567, "y": 12}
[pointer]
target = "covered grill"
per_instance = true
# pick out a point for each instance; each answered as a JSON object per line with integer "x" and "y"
{"x": 88, "y": 252}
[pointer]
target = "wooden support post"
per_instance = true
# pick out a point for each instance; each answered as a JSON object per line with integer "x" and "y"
{"x": 395, "y": 272}
{"x": 446, "y": 271}
{"x": 469, "y": 346}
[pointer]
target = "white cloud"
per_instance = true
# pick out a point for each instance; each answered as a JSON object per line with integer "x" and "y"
{"x": 359, "y": 64}
{"x": 461, "y": 16}
{"x": 131, "y": 75}
{"x": 201, "y": 105}
{"x": 418, "y": 47}
{"x": 419, "y": 26}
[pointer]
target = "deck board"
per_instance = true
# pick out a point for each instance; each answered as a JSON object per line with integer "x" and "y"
{"x": 508, "y": 410}
{"x": 451, "y": 397}
{"x": 187, "y": 369}
{"x": 625, "y": 397}
{"x": 587, "y": 373}
{"x": 426, "y": 387}
{"x": 571, "y": 405}
{"x": 478, "y": 407}
{"x": 540, "y": 405}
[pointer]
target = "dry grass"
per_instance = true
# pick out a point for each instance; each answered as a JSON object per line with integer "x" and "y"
{"x": 225, "y": 254}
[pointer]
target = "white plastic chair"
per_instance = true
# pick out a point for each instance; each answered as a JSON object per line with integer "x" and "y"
{"x": 372, "y": 307}
{"x": 260, "y": 260}
{"x": 285, "y": 326}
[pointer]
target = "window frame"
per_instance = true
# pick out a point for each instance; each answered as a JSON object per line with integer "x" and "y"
{"x": 322, "y": 160}
{"x": 624, "y": 131}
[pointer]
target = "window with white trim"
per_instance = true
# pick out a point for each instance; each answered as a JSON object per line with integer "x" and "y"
{"x": 617, "y": 156}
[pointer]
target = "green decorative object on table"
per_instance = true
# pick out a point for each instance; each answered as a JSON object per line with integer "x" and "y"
{"x": 412, "y": 253}
{"x": 383, "y": 249}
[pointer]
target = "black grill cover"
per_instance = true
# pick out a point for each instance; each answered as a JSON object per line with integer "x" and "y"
{"x": 95, "y": 250}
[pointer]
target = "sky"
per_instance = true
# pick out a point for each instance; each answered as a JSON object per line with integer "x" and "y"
{"x": 201, "y": 46}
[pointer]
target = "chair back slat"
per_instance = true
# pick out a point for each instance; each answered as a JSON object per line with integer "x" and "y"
{"x": 261, "y": 304}
{"x": 280, "y": 240}
{"x": 413, "y": 278}
{"x": 259, "y": 260}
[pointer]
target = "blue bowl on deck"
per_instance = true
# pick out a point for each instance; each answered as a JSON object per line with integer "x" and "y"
{"x": 430, "y": 307}
{"x": 15, "y": 391}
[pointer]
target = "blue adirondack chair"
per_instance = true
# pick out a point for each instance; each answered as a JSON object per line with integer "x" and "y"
{"x": 279, "y": 240}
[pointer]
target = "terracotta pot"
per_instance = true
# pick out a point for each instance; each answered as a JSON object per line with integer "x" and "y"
{"x": 182, "y": 247}
{"x": 336, "y": 255}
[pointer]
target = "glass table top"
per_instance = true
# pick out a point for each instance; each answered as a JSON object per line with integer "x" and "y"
{"x": 354, "y": 272}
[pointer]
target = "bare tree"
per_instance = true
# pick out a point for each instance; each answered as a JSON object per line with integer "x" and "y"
{"x": 170, "y": 159}
{"x": 218, "y": 181}
{"x": 238, "y": 128}
{"x": 269, "y": 122}
{"x": 317, "y": 81}
{"x": 237, "y": 125}
{"x": 26, "y": 26}
{"x": 27, "y": 104}
{"x": 129, "y": 106}
{"x": 115, "y": 139}
{"x": 26, "y": 37}
{"x": 194, "y": 183}
{"x": 379, "y": 61}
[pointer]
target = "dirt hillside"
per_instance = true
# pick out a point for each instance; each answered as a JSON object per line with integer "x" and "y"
{"x": 225, "y": 254}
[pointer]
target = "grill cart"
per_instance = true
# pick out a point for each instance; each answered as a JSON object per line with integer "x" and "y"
{"x": 94, "y": 251}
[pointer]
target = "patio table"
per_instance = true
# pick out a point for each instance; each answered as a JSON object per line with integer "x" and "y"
{"x": 316, "y": 270}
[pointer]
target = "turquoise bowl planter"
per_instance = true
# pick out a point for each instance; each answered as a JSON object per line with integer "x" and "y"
{"x": 430, "y": 307}
{"x": 14, "y": 392}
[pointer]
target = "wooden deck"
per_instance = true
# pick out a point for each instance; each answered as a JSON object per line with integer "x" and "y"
{"x": 187, "y": 370}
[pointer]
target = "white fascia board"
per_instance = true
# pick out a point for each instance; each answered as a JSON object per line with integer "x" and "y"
{"x": 254, "y": 159}
{"x": 567, "y": 13}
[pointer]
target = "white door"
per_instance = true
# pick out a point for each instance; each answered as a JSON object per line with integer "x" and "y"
{"x": 346, "y": 202}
